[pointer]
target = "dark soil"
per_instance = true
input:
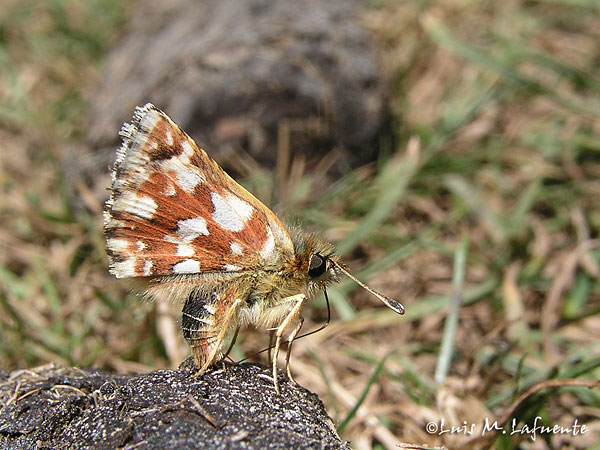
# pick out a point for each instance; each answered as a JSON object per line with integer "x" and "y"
{"x": 231, "y": 406}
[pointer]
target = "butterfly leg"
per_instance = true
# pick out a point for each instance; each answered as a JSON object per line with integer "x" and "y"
{"x": 271, "y": 343}
{"x": 233, "y": 339}
{"x": 289, "y": 349}
{"x": 224, "y": 328}
{"x": 297, "y": 301}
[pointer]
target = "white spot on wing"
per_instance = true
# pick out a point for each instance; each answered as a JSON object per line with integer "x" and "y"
{"x": 190, "y": 229}
{"x": 117, "y": 244}
{"x": 185, "y": 250}
{"x": 150, "y": 119}
{"x": 169, "y": 137}
{"x": 269, "y": 245}
{"x": 231, "y": 212}
{"x": 188, "y": 179}
{"x": 236, "y": 248}
{"x": 231, "y": 268}
{"x": 187, "y": 231}
{"x": 210, "y": 308}
{"x": 242, "y": 208}
{"x": 188, "y": 175}
{"x": 280, "y": 234}
{"x": 187, "y": 266}
{"x": 125, "y": 268}
{"x": 148, "y": 268}
{"x": 172, "y": 239}
{"x": 144, "y": 207}
{"x": 169, "y": 191}
{"x": 188, "y": 150}
{"x": 140, "y": 246}
{"x": 224, "y": 215}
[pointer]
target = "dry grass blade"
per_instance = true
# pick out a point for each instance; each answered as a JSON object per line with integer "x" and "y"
{"x": 562, "y": 281}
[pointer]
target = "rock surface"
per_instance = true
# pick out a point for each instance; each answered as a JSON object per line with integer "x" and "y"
{"x": 234, "y": 406}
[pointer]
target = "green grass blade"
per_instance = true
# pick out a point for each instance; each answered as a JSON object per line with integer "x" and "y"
{"x": 447, "y": 348}
{"x": 391, "y": 185}
{"x": 372, "y": 379}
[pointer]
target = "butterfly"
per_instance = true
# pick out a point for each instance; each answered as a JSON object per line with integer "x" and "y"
{"x": 178, "y": 222}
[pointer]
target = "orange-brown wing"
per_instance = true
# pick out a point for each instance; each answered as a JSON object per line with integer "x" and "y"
{"x": 174, "y": 211}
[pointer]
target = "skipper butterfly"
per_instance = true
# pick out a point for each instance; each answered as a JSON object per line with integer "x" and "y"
{"x": 177, "y": 221}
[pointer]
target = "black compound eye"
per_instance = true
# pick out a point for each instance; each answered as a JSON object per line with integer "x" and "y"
{"x": 317, "y": 266}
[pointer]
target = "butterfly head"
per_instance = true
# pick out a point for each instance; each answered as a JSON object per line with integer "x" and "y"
{"x": 323, "y": 267}
{"x": 316, "y": 261}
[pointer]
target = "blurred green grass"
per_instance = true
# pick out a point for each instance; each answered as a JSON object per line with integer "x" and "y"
{"x": 497, "y": 113}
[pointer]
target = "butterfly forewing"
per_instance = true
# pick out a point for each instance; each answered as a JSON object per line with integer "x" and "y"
{"x": 174, "y": 211}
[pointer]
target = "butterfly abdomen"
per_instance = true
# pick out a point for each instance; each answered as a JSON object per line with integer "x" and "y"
{"x": 198, "y": 323}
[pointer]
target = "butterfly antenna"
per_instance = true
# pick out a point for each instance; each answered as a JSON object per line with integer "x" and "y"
{"x": 389, "y": 302}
